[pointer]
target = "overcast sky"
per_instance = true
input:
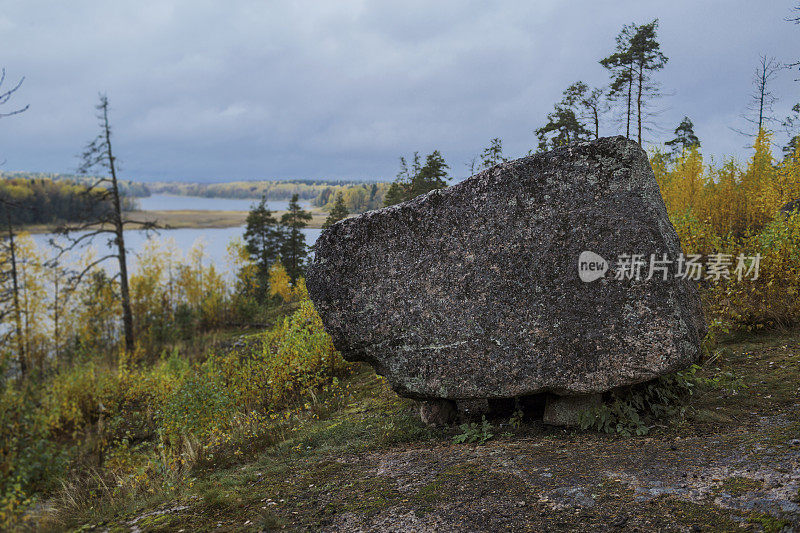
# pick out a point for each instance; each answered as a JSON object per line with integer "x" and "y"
{"x": 214, "y": 91}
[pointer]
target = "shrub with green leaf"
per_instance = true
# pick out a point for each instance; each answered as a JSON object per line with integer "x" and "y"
{"x": 633, "y": 410}
{"x": 472, "y": 432}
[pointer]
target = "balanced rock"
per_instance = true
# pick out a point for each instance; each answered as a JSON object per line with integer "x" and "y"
{"x": 474, "y": 291}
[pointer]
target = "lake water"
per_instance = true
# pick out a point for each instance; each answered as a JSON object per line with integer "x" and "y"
{"x": 215, "y": 241}
{"x": 168, "y": 202}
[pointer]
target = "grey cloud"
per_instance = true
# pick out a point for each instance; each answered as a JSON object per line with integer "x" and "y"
{"x": 251, "y": 89}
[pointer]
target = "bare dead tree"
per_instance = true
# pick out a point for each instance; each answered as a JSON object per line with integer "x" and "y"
{"x": 108, "y": 218}
{"x": 759, "y": 109}
{"x": 795, "y": 19}
{"x": 9, "y": 299}
{"x": 5, "y": 96}
{"x": 763, "y": 96}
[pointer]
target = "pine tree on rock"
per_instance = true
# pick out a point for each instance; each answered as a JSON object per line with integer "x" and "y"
{"x": 493, "y": 154}
{"x": 620, "y": 67}
{"x": 412, "y": 182}
{"x": 339, "y": 211}
{"x": 647, "y": 58}
{"x": 433, "y": 175}
{"x": 637, "y": 55}
{"x": 396, "y": 194}
{"x": 563, "y": 123}
{"x": 294, "y": 250}
{"x": 589, "y": 103}
{"x": 400, "y": 188}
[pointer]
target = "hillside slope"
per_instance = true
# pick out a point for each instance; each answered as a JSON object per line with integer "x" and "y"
{"x": 358, "y": 460}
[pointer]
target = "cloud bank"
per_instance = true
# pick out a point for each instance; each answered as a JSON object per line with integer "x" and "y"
{"x": 307, "y": 89}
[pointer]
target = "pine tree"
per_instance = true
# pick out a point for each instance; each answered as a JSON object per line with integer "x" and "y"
{"x": 264, "y": 238}
{"x": 412, "y": 182}
{"x": 433, "y": 175}
{"x": 637, "y": 55}
{"x": 791, "y": 147}
{"x": 396, "y": 194}
{"x": 339, "y": 211}
{"x": 591, "y": 103}
{"x": 493, "y": 154}
{"x": 685, "y": 138}
{"x": 620, "y": 67}
{"x": 790, "y": 124}
{"x": 647, "y": 58}
{"x": 399, "y": 190}
{"x": 294, "y": 250}
{"x": 563, "y": 123}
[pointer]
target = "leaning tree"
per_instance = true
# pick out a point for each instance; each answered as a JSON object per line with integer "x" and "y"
{"x": 106, "y": 217}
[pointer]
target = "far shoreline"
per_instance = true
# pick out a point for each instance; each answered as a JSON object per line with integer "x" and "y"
{"x": 190, "y": 219}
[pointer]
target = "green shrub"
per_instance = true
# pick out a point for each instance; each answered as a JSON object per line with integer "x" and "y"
{"x": 29, "y": 461}
{"x": 197, "y": 406}
{"x": 631, "y": 410}
{"x": 773, "y": 299}
{"x": 472, "y": 432}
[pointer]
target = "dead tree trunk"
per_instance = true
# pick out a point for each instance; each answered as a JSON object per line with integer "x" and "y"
{"x": 17, "y": 311}
{"x": 127, "y": 314}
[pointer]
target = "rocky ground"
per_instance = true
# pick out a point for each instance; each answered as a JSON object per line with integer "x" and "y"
{"x": 362, "y": 462}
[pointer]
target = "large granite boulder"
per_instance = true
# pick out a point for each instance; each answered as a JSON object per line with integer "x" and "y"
{"x": 473, "y": 291}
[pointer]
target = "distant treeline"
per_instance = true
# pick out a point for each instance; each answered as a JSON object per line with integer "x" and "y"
{"x": 47, "y": 201}
{"x": 271, "y": 190}
{"x": 357, "y": 197}
{"x": 58, "y": 188}
{"x": 127, "y": 188}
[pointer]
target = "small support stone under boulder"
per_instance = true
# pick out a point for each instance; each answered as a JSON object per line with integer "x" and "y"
{"x": 438, "y": 412}
{"x": 567, "y": 410}
{"x": 473, "y": 292}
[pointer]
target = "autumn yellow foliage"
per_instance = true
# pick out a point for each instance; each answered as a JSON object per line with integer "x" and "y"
{"x": 735, "y": 209}
{"x": 280, "y": 284}
{"x": 186, "y": 409}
